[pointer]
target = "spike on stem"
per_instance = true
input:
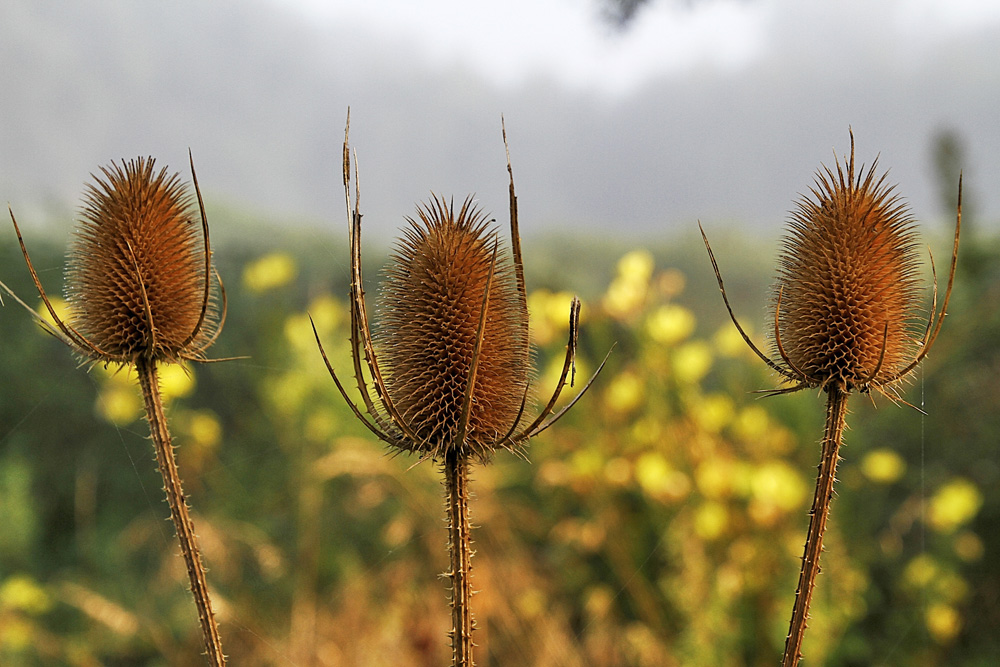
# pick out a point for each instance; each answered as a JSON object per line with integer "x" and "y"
{"x": 149, "y": 383}
{"x": 836, "y": 416}
{"x": 456, "y": 476}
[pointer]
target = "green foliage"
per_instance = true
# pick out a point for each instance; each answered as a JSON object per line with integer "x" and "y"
{"x": 660, "y": 523}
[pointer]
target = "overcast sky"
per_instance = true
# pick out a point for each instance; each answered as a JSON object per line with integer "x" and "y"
{"x": 795, "y": 74}
{"x": 514, "y": 41}
{"x": 718, "y": 110}
{"x": 509, "y": 43}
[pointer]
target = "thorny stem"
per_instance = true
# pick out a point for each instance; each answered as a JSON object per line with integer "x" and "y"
{"x": 836, "y": 413}
{"x": 456, "y": 481}
{"x": 146, "y": 369}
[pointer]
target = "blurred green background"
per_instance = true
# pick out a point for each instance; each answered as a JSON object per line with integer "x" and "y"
{"x": 659, "y": 523}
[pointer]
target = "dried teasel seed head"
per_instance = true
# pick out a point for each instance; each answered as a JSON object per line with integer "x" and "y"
{"x": 431, "y": 307}
{"x": 136, "y": 270}
{"x": 846, "y": 294}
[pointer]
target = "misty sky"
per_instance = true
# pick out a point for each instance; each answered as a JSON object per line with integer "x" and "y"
{"x": 898, "y": 72}
{"x": 718, "y": 110}
{"x": 512, "y": 42}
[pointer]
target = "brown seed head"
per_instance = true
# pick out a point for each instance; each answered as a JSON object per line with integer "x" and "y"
{"x": 135, "y": 278}
{"x": 431, "y": 307}
{"x": 846, "y": 292}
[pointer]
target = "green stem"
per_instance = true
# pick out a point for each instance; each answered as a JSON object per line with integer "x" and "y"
{"x": 836, "y": 414}
{"x": 146, "y": 369}
{"x": 456, "y": 481}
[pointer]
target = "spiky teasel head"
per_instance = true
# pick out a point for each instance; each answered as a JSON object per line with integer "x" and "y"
{"x": 846, "y": 298}
{"x": 845, "y": 302}
{"x": 139, "y": 270}
{"x": 446, "y": 275}
{"x": 136, "y": 274}
{"x": 450, "y": 361}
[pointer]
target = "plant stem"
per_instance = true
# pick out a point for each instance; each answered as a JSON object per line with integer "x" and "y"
{"x": 456, "y": 481}
{"x": 148, "y": 381}
{"x": 836, "y": 413}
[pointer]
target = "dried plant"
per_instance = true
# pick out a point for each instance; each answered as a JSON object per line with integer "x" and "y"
{"x": 138, "y": 286}
{"x": 845, "y": 308}
{"x": 450, "y": 359}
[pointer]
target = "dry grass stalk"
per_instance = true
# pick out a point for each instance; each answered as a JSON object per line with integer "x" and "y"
{"x": 138, "y": 283}
{"x": 844, "y": 308}
{"x": 450, "y": 359}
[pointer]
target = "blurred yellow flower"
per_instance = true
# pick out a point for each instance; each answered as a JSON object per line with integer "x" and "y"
{"x": 921, "y": 571}
{"x": 711, "y": 520}
{"x": 22, "y": 593}
{"x": 532, "y": 603}
{"x": 176, "y": 381}
{"x": 16, "y": 634}
{"x": 548, "y": 313}
{"x": 299, "y": 332}
{"x": 715, "y": 477}
{"x": 120, "y": 404}
{"x": 646, "y": 431}
{"x": 776, "y": 487}
{"x": 624, "y": 393}
{"x": 599, "y": 601}
{"x": 692, "y": 361}
{"x": 954, "y": 504}
{"x": 951, "y": 587}
{"x": 628, "y": 290}
{"x": 670, "y": 324}
{"x": 587, "y": 463}
{"x": 752, "y": 423}
{"x": 327, "y": 313}
{"x": 204, "y": 429}
{"x": 943, "y": 622}
{"x": 636, "y": 265}
{"x": 658, "y": 479}
{"x": 398, "y": 532}
{"x": 729, "y": 581}
{"x": 623, "y": 297}
{"x": 712, "y": 412}
{"x": 553, "y": 473}
{"x": 59, "y": 305}
{"x": 269, "y": 272}
{"x": 883, "y": 466}
{"x": 729, "y": 342}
